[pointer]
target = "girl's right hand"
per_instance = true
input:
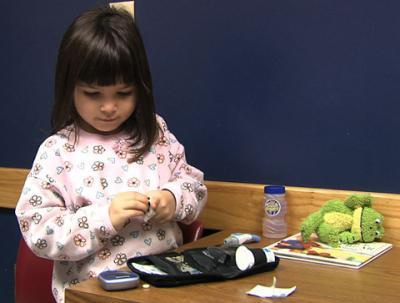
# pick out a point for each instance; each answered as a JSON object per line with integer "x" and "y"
{"x": 126, "y": 205}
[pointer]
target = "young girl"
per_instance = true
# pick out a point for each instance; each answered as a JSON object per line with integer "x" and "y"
{"x": 110, "y": 161}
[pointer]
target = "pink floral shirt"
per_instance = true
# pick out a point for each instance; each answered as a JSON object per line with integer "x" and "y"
{"x": 63, "y": 208}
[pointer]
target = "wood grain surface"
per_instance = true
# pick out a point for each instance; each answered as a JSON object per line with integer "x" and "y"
{"x": 11, "y": 183}
{"x": 378, "y": 281}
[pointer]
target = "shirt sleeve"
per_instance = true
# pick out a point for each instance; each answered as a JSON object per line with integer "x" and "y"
{"x": 53, "y": 226}
{"x": 186, "y": 182}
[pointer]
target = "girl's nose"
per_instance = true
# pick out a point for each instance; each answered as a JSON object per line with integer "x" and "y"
{"x": 108, "y": 107}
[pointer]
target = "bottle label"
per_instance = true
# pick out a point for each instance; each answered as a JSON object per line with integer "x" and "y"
{"x": 269, "y": 255}
{"x": 272, "y": 207}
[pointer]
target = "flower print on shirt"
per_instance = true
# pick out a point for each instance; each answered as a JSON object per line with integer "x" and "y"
{"x": 50, "y": 142}
{"x": 187, "y": 186}
{"x": 35, "y": 200}
{"x": 121, "y": 154}
{"x": 186, "y": 168}
{"x": 140, "y": 160}
{"x": 41, "y": 243}
{"x": 83, "y": 222}
{"x": 98, "y": 165}
{"x": 117, "y": 240}
{"x": 63, "y": 257}
{"x": 68, "y": 166}
{"x": 36, "y": 169}
{"x": 103, "y": 241}
{"x": 176, "y": 158}
{"x": 91, "y": 274}
{"x": 189, "y": 209}
{"x": 160, "y": 234}
{"x": 66, "y": 132}
{"x": 49, "y": 179}
{"x": 163, "y": 141}
{"x": 104, "y": 253}
{"x": 45, "y": 185}
{"x": 147, "y": 226}
{"x": 133, "y": 182}
{"x": 79, "y": 240}
{"x": 60, "y": 221}
{"x": 160, "y": 158}
{"x": 121, "y": 148}
{"x": 98, "y": 149}
{"x": 69, "y": 147}
{"x": 24, "y": 225}
{"x": 36, "y": 218}
{"x": 104, "y": 183}
{"x": 120, "y": 259}
{"x": 88, "y": 181}
{"x": 104, "y": 232}
{"x": 200, "y": 195}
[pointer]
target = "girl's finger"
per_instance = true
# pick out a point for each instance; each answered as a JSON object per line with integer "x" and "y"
{"x": 139, "y": 197}
{"x": 133, "y": 213}
{"x": 135, "y": 205}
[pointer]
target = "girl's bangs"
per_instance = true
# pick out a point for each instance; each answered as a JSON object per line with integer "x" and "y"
{"x": 105, "y": 65}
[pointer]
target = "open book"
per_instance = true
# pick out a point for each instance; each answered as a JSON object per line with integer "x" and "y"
{"x": 347, "y": 255}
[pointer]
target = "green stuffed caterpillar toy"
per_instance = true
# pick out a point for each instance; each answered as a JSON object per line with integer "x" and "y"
{"x": 351, "y": 221}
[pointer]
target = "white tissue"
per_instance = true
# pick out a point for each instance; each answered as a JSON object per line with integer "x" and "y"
{"x": 271, "y": 291}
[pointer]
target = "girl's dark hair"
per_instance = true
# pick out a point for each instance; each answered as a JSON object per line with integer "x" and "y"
{"x": 103, "y": 46}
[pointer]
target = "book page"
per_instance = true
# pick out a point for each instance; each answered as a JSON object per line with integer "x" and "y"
{"x": 349, "y": 255}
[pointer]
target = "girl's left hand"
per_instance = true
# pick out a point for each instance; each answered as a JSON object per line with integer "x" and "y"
{"x": 164, "y": 204}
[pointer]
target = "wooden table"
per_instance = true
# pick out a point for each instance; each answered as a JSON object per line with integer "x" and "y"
{"x": 378, "y": 281}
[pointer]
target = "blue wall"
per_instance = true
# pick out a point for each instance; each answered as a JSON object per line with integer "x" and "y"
{"x": 302, "y": 93}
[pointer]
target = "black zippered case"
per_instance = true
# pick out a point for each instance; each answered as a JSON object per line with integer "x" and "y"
{"x": 197, "y": 265}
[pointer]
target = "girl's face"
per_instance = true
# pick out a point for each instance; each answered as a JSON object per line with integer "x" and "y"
{"x": 103, "y": 109}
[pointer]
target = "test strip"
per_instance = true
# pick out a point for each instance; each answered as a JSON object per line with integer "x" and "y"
{"x": 150, "y": 212}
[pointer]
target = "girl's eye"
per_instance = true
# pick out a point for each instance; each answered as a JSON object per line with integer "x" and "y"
{"x": 91, "y": 94}
{"x": 125, "y": 94}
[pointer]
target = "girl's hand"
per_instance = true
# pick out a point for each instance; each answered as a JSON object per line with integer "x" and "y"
{"x": 164, "y": 204}
{"x": 126, "y": 205}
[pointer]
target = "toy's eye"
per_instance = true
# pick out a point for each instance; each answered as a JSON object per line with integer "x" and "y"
{"x": 378, "y": 221}
{"x": 377, "y": 234}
